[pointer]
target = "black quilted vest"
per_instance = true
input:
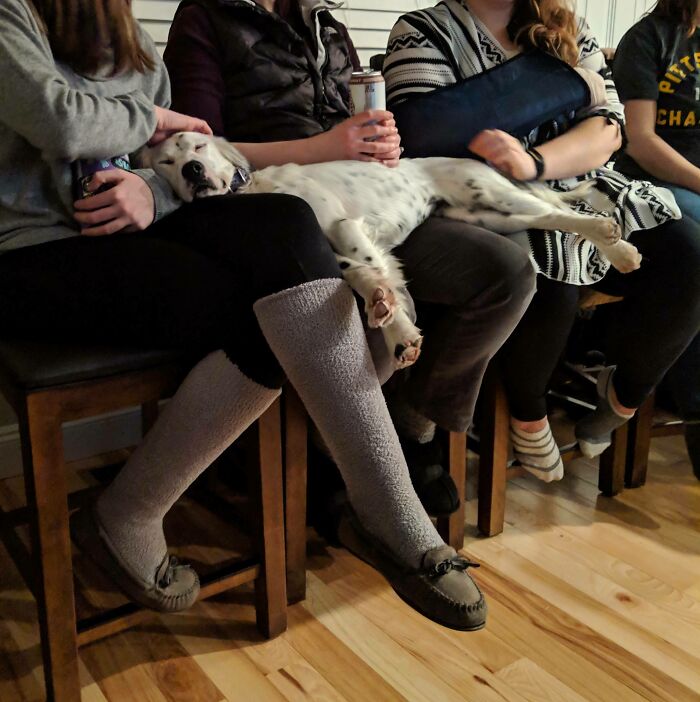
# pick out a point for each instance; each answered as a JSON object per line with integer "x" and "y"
{"x": 275, "y": 87}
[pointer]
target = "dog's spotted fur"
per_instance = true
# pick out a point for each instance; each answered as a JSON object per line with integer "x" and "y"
{"x": 366, "y": 210}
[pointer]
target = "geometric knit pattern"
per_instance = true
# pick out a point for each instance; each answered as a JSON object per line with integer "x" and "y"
{"x": 445, "y": 44}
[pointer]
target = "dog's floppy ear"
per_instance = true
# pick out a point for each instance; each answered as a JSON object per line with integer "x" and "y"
{"x": 231, "y": 153}
{"x": 142, "y": 158}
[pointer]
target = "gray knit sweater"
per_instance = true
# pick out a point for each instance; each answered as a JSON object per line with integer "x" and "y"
{"x": 51, "y": 116}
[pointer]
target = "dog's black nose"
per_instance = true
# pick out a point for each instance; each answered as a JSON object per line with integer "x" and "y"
{"x": 193, "y": 171}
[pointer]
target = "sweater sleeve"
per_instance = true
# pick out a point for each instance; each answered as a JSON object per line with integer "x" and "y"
{"x": 413, "y": 63}
{"x": 592, "y": 58}
{"x": 37, "y": 102}
{"x": 195, "y": 66}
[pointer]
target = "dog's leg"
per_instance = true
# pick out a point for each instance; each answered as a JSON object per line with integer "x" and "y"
{"x": 604, "y": 232}
{"x": 366, "y": 268}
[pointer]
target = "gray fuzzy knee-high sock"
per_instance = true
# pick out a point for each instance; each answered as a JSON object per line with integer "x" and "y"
{"x": 316, "y": 333}
{"x": 212, "y": 407}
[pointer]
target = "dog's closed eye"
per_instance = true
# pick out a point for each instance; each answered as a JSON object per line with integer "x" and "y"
{"x": 199, "y": 147}
{"x": 167, "y": 162}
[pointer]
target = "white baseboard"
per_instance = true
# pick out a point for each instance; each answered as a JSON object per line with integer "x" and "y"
{"x": 81, "y": 439}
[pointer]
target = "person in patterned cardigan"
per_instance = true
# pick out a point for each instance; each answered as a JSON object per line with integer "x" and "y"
{"x": 456, "y": 40}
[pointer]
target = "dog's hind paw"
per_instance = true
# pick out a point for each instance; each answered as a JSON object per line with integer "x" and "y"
{"x": 380, "y": 309}
{"x": 623, "y": 256}
{"x": 407, "y": 354}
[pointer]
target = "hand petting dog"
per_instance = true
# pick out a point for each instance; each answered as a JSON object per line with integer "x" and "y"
{"x": 505, "y": 153}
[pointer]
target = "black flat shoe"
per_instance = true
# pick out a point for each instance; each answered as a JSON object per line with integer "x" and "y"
{"x": 432, "y": 483}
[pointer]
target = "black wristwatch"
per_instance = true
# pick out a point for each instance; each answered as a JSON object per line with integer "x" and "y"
{"x": 539, "y": 162}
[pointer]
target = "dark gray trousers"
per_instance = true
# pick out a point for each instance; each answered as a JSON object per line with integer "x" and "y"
{"x": 471, "y": 287}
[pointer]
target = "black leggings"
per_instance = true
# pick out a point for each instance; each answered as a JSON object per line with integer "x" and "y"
{"x": 188, "y": 282}
{"x": 648, "y": 330}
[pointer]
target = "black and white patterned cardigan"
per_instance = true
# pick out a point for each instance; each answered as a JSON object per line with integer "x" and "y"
{"x": 439, "y": 46}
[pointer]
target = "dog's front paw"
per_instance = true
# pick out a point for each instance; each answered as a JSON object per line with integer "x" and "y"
{"x": 407, "y": 354}
{"x": 623, "y": 256}
{"x": 380, "y": 309}
{"x": 608, "y": 231}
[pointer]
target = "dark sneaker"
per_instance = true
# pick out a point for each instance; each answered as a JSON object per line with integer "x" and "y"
{"x": 432, "y": 483}
{"x": 175, "y": 587}
{"x": 441, "y": 589}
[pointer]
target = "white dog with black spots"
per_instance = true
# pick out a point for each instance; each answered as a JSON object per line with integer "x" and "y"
{"x": 367, "y": 209}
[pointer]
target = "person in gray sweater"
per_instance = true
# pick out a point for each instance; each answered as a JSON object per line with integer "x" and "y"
{"x": 94, "y": 252}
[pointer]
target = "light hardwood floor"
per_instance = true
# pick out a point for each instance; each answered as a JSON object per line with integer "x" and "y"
{"x": 590, "y": 599}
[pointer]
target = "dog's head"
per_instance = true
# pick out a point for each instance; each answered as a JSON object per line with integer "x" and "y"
{"x": 197, "y": 165}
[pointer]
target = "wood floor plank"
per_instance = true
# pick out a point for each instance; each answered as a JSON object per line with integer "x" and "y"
{"x": 407, "y": 674}
{"x": 581, "y": 496}
{"x": 668, "y": 627}
{"x": 585, "y": 661}
{"x": 429, "y": 643}
{"x": 626, "y": 546}
{"x": 299, "y": 682}
{"x": 350, "y": 674}
{"x": 666, "y": 661}
{"x": 535, "y": 684}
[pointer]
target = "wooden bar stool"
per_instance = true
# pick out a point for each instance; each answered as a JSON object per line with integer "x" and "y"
{"x": 646, "y": 424}
{"x": 48, "y": 385}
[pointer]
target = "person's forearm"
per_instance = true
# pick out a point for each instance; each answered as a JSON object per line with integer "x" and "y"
{"x": 662, "y": 161}
{"x": 279, "y": 153}
{"x": 585, "y": 147}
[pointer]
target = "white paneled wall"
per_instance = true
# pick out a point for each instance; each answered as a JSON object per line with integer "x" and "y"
{"x": 370, "y": 20}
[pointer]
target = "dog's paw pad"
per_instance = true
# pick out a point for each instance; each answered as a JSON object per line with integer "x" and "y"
{"x": 407, "y": 354}
{"x": 380, "y": 311}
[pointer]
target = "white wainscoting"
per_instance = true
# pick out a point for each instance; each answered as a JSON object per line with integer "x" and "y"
{"x": 370, "y": 21}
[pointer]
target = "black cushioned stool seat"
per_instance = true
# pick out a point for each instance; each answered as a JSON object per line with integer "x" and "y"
{"x": 32, "y": 365}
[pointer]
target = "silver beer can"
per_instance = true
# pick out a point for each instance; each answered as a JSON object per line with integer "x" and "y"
{"x": 367, "y": 91}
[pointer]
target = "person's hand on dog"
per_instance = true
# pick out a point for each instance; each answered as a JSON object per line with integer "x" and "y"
{"x": 505, "y": 153}
{"x": 350, "y": 140}
{"x": 128, "y": 205}
{"x": 170, "y": 122}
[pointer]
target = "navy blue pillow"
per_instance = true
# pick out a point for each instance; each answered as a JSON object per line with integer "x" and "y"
{"x": 523, "y": 93}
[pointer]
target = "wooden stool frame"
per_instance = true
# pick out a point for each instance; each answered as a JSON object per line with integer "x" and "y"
{"x": 41, "y": 413}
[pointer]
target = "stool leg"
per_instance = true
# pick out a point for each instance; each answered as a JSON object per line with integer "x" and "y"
{"x": 452, "y": 528}
{"x": 611, "y": 468}
{"x": 270, "y": 587}
{"x": 47, "y": 498}
{"x": 638, "y": 444}
{"x": 295, "y": 463}
{"x": 493, "y": 461}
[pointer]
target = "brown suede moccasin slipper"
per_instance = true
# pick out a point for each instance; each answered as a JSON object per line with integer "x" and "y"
{"x": 174, "y": 588}
{"x": 440, "y": 589}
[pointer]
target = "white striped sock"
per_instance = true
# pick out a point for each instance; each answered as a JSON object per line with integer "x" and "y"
{"x": 538, "y": 453}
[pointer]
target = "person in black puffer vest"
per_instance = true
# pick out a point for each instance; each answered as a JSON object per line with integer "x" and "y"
{"x": 275, "y": 77}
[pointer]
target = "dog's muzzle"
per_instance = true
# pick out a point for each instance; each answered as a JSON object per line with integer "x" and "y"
{"x": 241, "y": 177}
{"x": 194, "y": 172}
